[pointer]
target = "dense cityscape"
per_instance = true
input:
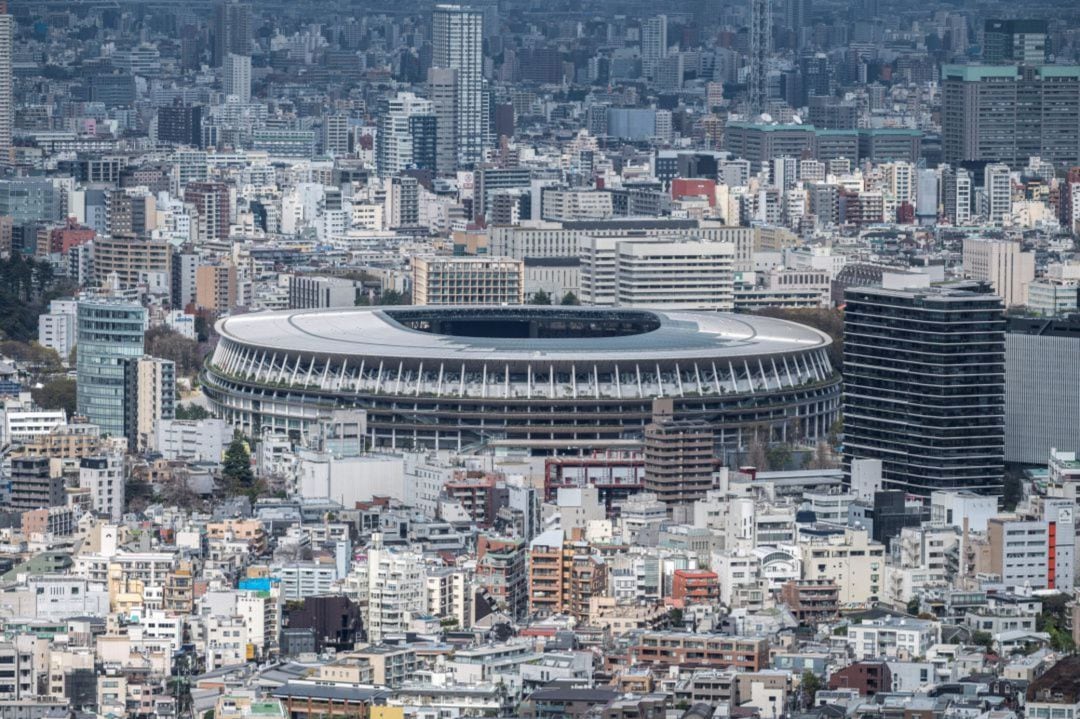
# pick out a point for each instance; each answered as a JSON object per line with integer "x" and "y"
{"x": 582, "y": 359}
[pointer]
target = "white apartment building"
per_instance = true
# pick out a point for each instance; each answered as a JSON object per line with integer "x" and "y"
{"x": 891, "y": 637}
{"x": 852, "y": 560}
{"x": 103, "y": 477}
{"x": 1003, "y": 264}
{"x": 202, "y": 440}
{"x": 56, "y": 328}
{"x": 394, "y": 584}
{"x": 25, "y": 425}
{"x": 306, "y": 579}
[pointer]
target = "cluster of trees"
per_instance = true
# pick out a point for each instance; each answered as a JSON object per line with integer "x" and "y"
{"x": 164, "y": 342}
{"x": 540, "y": 297}
{"x": 26, "y": 288}
{"x": 386, "y": 297}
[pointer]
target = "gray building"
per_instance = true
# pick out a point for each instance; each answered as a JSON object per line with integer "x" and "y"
{"x": 308, "y": 292}
{"x": 1042, "y": 388}
{"x": 1010, "y": 113}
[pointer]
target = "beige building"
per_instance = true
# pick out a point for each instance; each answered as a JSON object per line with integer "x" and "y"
{"x": 1003, "y": 264}
{"x": 150, "y": 384}
{"x": 468, "y": 281}
{"x": 216, "y": 287}
{"x": 131, "y": 260}
{"x": 852, "y": 561}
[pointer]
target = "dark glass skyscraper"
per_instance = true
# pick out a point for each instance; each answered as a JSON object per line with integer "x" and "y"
{"x": 924, "y": 386}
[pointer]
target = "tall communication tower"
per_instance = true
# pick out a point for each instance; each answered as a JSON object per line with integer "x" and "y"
{"x": 760, "y": 47}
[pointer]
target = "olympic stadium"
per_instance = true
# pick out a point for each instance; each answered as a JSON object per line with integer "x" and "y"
{"x": 547, "y": 379}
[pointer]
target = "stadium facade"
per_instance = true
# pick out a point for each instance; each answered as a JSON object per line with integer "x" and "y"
{"x": 548, "y": 379}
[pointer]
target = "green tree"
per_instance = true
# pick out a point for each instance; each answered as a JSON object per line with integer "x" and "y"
{"x": 192, "y": 411}
{"x": 570, "y": 299}
{"x": 983, "y": 639}
{"x": 540, "y": 298}
{"x": 56, "y": 393}
{"x": 236, "y": 471}
{"x": 779, "y": 457}
{"x": 913, "y": 607}
{"x": 168, "y": 344}
{"x": 810, "y": 686}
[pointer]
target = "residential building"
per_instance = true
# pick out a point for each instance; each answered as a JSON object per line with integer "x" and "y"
{"x": 891, "y": 336}
{"x": 150, "y": 388}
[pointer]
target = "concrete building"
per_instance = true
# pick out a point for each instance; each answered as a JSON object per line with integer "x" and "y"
{"x": 236, "y": 77}
{"x": 201, "y": 440}
{"x": 1002, "y": 263}
{"x": 307, "y": 292}
{"x": 104, "y": 478}
{"x": 679, "y": 460}
{"x": 56, "y": 328}
{"x": 654, "y": 272}
{"x": 468, "y": 281}
{"x": 150, "y": 388}
{"x": 457, "y": 42}
{"x": 407, "y": 135}
{"x": 852, "y": 561}
{"x": 129, "y": 262}
{"x": 1010, "y": 113}
{"x": 1042, "y": 384}
{"x": 216, "y": 287}
{"x": 564, "y": 575}
{"x": 1020, "y": 552}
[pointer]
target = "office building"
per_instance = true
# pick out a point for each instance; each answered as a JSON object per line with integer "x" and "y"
{"x": 457, "y": 39}
{"x": 1010, "y": 113}
{"x": 109, "y": 334}
{"x": 1042, "y": 384}
{"x": 924, "y": 385}
{"x": 231, "y": 30}
{"x": 402, "y": 208}
{"x": 56, "y": 328}
{"x": 335, "y": 135}
{"x": 761, "y": 31}
{"x": 130, "y": 213}
{"x": 1016, "y": 41}
{"x": 647, "y": 272}
{"x": 468, "y": 281}
{"x": 1002, "y": 263}
{"x": 442, "y": 83}
{"x": 150, "y": 386}
{"x": 654, "y": 43}
{"x": 236, "y": 77}
{"x": 308, "y": 292}
{"x": 956, "y": 195}
{"x": 997, "y": 193}
{"x": 180, "y": 124}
